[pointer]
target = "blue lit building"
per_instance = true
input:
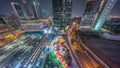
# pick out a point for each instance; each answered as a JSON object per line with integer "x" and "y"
{"x": 104, "y": 13}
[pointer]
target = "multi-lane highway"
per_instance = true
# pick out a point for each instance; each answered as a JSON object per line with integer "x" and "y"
{"x": 14, "y": 54}
{"x": 84, "y": 57}
{"x": 28, "y": 51}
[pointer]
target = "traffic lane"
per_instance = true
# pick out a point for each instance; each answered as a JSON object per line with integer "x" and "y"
{"x": 8, "y": 45}
{"x": 85, "y": 54}
{"x": 11, "y": 52}
{"x": 2, "y": 50}
{"x": 92, "y": 60}
{"x": 28, "y": 59}
{"x": 85, "y": 63}
{"x": 76, "y": 61}
{"x": 7, "y": 54}
{"x": 8, "y": 59}
{"x": 5, "y": 64}
{"x": 37, "y": 57}
{"x": 14, "y": 48}
{"x": 20, "y": 58}
{"x": 31, "y": 52}
{"x": 41, "y": 60}
{"x": 16, "y": 56}
{"x": 9, "y": 48}
{"x": 84, "y": 60}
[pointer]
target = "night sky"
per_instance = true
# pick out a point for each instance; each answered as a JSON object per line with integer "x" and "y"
{"x": 78, "y": 7}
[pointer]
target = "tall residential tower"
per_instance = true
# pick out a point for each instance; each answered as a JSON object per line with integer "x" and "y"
{"x": 61, "y": 11}
{"x": 18, "y": 10}
{"x": 36, "y": 9}
{"x": 109, "y": 4}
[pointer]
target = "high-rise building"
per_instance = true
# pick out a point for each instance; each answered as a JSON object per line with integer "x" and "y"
{"x": 36, "y": 9}
{"x": 2, "y": 22}
{"x": 18, "y": 11}
{"x": 87, "y": 20}
{"x": 112, "y": 24}
{"x": 8, "y": 21}
{"x": 77, "y": 19}
{"x": 107, "y": 7}
{"x": 91, "y": 9}
{"x": 58, "y": 11}
{"x": 61, "y": 11}
{"x": 68, "y": 10}
{"x": 90, "y": 5}
{"x": 26, "y": 9}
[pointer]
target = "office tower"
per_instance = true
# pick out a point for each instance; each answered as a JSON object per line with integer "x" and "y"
{"x": 26, "y": 9}
{"x": 68, "y": 10}
{"x": 61, "y": 10}
{"x": 8, "y": 21}
{"x": 90, "y": 5}
{"x": 112, "y": 24}
{"x": 87, "y": 20}
{"x": 36, "y": 9}
{"x": 3, "y": 27}
{"x": 91, "y": 9}
{"x": 77, "y": 20}
{"x": 109, "y": 4}
{"x": 2, "y": 22}
{"x": 18, "y": 11}
{"x": 58, "y": 11}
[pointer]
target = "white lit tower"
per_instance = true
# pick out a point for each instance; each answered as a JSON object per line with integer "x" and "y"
{"x": 88, "y": 16}
{"x": 104, "y": 12}
{"x": 36, "y": 9}
{"x": 26, "y": 9}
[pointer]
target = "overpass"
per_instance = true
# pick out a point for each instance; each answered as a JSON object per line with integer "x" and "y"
{"x": 84, "y": 56}
{"x": 33, "y": 30}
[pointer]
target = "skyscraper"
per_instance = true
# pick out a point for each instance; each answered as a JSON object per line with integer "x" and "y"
{"x": 58, "y": 10}
{"x": 91, "y": 9}
{"x": 36, "y": 9}
{"x": 90, "y": 5}
{"x": 87, "y": 19}
{"x": 68, "y": 9}
{"x": 26, "y": 9}
{"x": 8, "y": 21}
{"x": 61, "y": 11}
{"x": 109, "y": 4}
{"x": 18, "y": 10}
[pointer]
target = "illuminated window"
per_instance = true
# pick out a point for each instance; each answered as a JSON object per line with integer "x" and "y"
{"x": 108, "y": 7}
{"x": 112, "y": 0}
{"x": 110, "y": 4}
{"x": 103, "y": 16}
{"x": 104, "y": 13}
{"x": 106, "y": 10}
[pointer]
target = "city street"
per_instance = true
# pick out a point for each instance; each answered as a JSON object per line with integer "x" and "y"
{"x": 14, "y": 54}
{"x": 87, "y": 59}
{"x": 29, "y": 51}
{"x": 102, "y": 47}
{"x": 59, "y": 33}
